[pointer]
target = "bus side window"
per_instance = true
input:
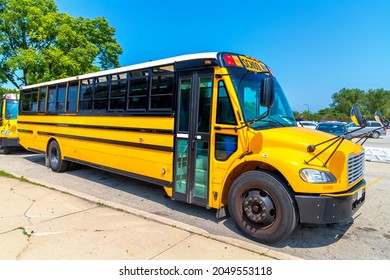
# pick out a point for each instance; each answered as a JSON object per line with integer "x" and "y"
{"x": 225, "y": 112}
{"x": 225, "y": 146}
{"x": 100, "y": 94}
{"x": 61, "y": 98}
{"x": 72, "y": 96}
{"x": 138, "y": 91}
{"x": 26, "y": 100}
{"x": 42, "y": 99}
{"x": 52, "y": 99}
{"x": 86, "y": 90}
{"x": 118, "y": 92}
{"x": 162, "y": 92}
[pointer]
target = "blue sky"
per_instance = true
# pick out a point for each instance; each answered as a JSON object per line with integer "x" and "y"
{"x": 314, "y": 47}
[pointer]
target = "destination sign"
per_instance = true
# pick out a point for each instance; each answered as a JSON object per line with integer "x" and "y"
{"x": 253, "y": 65}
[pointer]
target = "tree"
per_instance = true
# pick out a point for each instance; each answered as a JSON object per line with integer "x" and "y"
{"x": 378, "y": 99}
{"x": 37, "y": 43}
{"x": 4, "y": 91}
{"x": 346, "y": 98}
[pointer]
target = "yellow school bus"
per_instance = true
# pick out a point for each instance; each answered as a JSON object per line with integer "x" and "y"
{"x": 213, "y": 129}
{"x": 9, "y": 105}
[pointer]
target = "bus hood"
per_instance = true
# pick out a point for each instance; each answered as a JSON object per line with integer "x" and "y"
{"x": 287, "y": 150}
{"x": 300, "y": 139}
{"x": 293, "y": 140}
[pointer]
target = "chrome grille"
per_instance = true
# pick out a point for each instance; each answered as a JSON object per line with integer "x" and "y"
{"x": 355, "y": 167}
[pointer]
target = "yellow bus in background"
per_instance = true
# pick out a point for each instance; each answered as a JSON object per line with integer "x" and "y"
{"x": 9, "y": 105}
{"x": 214, "y": 129}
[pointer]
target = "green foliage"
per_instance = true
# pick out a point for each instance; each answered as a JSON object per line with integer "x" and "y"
{"x": 37, "y": 43}
{"x": 367, "y": 101}
{"x": 378, "y": 99}
{"x": 5, "y": 90}
{"x": 346, "y": 98}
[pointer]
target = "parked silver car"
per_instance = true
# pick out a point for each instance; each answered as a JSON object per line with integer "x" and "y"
{"x": 374, "y": 127}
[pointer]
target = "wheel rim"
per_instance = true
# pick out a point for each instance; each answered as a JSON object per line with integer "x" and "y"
{"x": 258, "y": 207}
{"x": 54, "y": 157}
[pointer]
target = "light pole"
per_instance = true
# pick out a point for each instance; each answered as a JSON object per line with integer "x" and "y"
{"x": 308, "y": 110}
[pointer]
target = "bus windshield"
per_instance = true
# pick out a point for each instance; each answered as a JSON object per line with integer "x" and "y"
{"x": 248, "y": 89}
{"x": 11, "y": 109}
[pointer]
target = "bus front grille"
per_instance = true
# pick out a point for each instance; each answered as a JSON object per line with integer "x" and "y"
{"x": 355, "y": 167}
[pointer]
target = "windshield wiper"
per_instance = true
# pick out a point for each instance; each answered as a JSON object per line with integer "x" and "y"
{"x": 262, "y": 116}
{"x": 250, "y": 123}
{"x": 276, "y": 121}
{"x": 287, "y": 117}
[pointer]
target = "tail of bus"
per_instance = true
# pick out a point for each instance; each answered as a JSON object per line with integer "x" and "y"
{"x": 9, "y": 105}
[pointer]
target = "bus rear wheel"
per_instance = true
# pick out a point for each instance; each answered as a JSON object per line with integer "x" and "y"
{"x": 262, "y": 207}
{"x": 57, "y": 164}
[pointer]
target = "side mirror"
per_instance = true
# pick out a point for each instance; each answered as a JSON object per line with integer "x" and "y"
{"x": 267, "y": 92}
{"x": 357, "y": 118}
{"x": 381, "y": 119}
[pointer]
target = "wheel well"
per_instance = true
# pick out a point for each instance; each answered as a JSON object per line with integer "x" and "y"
{"x": 250, "y": 166}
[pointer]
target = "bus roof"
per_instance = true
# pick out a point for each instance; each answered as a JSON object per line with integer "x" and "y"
{"x": 165, "y": 61}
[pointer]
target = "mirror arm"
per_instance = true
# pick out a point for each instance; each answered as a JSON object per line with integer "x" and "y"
{"x": 311, "y": 148}
{"x": 361, "y": 139}
{"x": 365, "y": 135}
{"x": 335, "y": 149}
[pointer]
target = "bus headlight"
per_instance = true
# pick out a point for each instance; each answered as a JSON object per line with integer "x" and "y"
{"x": 316, "y": 176}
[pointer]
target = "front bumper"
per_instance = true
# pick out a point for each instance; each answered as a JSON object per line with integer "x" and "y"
{"x": 9, "y": 142}
{"x": 331, "y": 209}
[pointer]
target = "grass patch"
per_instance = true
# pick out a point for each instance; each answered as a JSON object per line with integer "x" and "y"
{"x": 21, "y": 179}
{"x": 24, "y": 232}
{"x": 7, "y": 175}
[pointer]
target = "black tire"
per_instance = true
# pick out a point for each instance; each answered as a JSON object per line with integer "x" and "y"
{"x": 375, "y": 134}
{"x": 57, "y": 164}
{"x": 262, "y": 207}
{"x": 5, "y": 150}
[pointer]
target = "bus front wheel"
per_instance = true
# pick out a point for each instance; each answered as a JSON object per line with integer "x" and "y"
{"x": 262, "y": 207}
{"x": 57, "y": 164}
{"x": 5, "y": 150}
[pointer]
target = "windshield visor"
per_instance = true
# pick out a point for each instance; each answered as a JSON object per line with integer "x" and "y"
{"x": 248, "y": 87}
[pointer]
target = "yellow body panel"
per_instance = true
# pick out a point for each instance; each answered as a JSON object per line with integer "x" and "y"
{"x": 284, "y": 150}
{"x": 129, "y": 144}
{"x": 8, "y": 129}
